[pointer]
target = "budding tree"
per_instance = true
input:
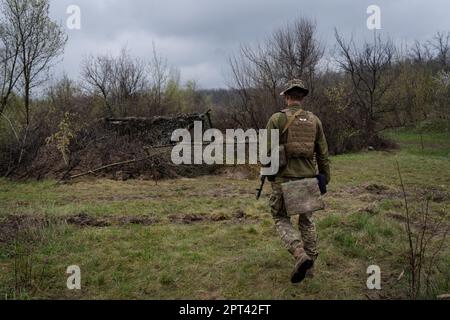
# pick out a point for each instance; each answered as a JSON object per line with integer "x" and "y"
{"x": 9, "y": 56}
{"x": 38, "y": 39}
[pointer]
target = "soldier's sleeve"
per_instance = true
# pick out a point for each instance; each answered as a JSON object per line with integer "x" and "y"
{"x": 322, "y": 153}
{"x": 271, "y": 125}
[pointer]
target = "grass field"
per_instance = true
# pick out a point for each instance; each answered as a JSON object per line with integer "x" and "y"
{"x": 208, "y": 238}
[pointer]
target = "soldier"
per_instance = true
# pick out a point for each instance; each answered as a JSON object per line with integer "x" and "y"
{"x": 301, "y": 134}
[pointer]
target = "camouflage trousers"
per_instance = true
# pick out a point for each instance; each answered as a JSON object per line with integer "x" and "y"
{"x": 305, "y": 236}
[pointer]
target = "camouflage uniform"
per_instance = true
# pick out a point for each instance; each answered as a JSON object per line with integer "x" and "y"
{"x": 298, "y": 168}
{"x": 292, "y": 238}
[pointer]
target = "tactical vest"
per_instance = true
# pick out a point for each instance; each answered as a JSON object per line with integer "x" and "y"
{"x": 301, "y": 131}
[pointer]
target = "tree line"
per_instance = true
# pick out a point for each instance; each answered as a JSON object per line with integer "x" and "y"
{"x": 358, "y": 89}
{"x": 362, "y": 89}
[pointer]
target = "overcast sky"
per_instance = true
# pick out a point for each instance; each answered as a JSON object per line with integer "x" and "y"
{"x": 197, "y": 36}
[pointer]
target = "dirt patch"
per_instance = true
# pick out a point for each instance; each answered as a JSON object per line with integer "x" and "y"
{"x": 369, "y": 198}
{"x": 435, "y": 195}
{"x": 371, "y": 209}
{"x": 135, "y": 220}
{"x": 85, "y": 220}
{"x": 440, "y": 197}
{"x": 239, "y": 216}
{"x": 376, "y": 192}
{"x": 239, "y": 172}
{"x": 369, "y": 189}
{"x": 226, "y": 192}
{"x": 219, "y": 217}
{"x": 434, "y": 226}
{"x": 13, "y": 225}
{"x": 376, "y": 188}
{"x": 187, "y": 218}
{"x": 370, "y": 192}
{"x": 26, "y": 227}
{"x": 398, "y": 217}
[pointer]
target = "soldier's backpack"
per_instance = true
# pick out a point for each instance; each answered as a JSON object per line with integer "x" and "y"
{"x": 301, "y": 131}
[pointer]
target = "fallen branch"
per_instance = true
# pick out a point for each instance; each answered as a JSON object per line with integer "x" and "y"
{"x": 150, "y": 156}
{"x": 108, "y": 166}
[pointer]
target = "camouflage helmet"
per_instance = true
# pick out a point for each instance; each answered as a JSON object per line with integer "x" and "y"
{"x": 293, "y": 84}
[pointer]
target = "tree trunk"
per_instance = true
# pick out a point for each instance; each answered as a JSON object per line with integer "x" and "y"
{"x": 27, "y": 101}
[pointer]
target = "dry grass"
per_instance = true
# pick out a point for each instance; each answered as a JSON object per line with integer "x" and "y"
{"x": 232, "y": 250}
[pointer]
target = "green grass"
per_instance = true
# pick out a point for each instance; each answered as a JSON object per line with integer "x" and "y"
{"x": 415, "y": 143}
{"x": 228, "y": 259}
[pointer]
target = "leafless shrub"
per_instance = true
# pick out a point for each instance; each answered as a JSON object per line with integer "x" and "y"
{"x": 22, "y": 236}
{"x": 427, "y": 237}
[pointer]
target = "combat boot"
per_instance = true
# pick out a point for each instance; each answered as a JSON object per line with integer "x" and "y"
{"x": 302, "y": 265}
{"x": 310, "y": 273}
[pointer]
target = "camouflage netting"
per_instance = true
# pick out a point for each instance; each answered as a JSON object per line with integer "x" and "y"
{"x": 112, "y": 141}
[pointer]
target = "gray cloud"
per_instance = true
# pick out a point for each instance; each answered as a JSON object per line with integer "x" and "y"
{"x": 197, "y": 36}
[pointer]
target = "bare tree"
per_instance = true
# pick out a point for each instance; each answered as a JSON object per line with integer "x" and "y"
{"x": 117, "y": 80}
{"x": 259, "y": 71}
{"x": 159, "y": 76}
{"x": 128, "y": 80}
{"x": 371, "y": 75}
{"x": 256, "y": 83}
{"x": 420, "y": 52}
{"x": 9, "y": 55}
{"x": 30, "y": 41}
{"x": 39, "y": 39}
{"x": 63, "y": 95}
{"x": 97, "y": 73}
{"x": 9, "y": 71}
{"x": 297, "y": 51}
{"x": 441, "y": 45}
{"x": 243, "y": 107}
